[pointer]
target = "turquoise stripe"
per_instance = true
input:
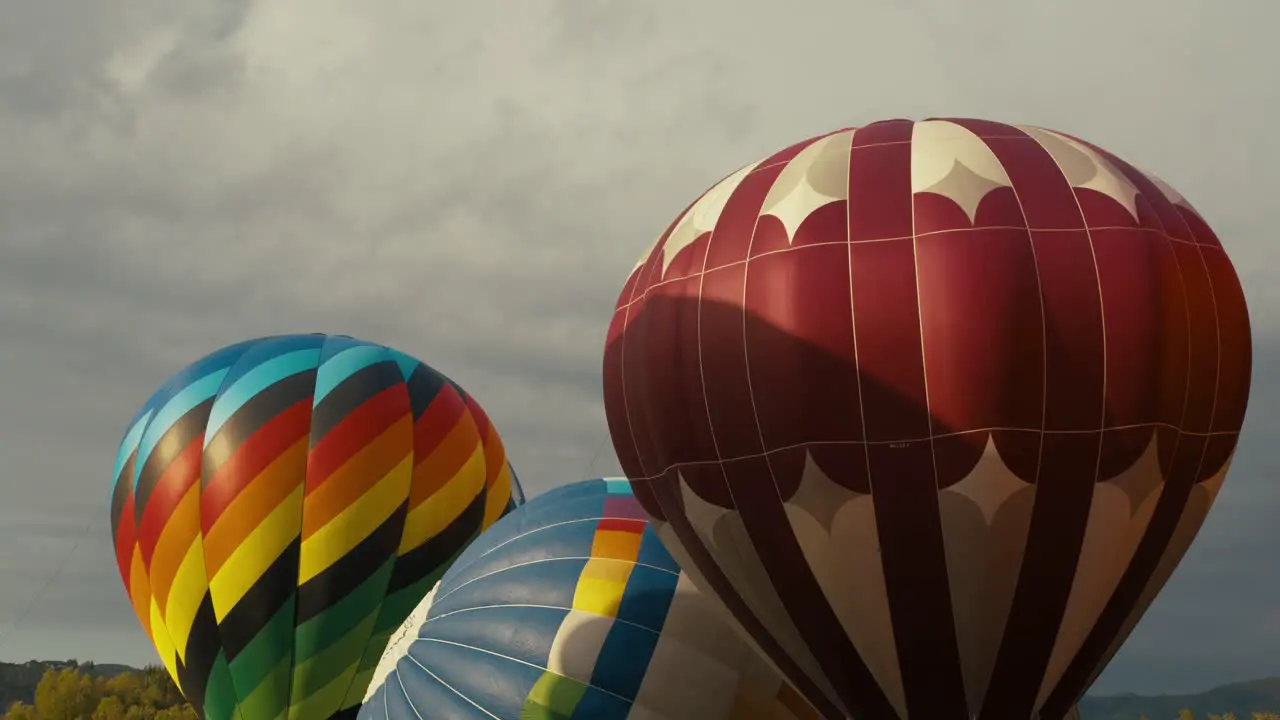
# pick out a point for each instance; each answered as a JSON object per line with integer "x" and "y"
{"x": 128, "y": 445}
{"x": 343, "y": 365}
{"x": 407, "y": 364}
{"x": 255, "y": 381}
{"x": 181, "y": 404}
{"x": 617, "y": 486}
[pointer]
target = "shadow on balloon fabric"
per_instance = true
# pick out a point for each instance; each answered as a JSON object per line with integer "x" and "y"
{"x": 985, "y": 539}
{"x": 571, "y": 608}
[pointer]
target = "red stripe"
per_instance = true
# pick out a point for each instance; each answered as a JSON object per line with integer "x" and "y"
{"x": 251, "y": 457}
{"x": 436, "y": 421}
{"x": 126, "y": 538}
{"x": 621, "y": 525}
{"x": 356, "y": 430}
{"x": 482, "y": 420}
{"x": 178, "y": 477}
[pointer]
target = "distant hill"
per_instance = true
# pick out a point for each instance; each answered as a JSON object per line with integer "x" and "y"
{"x": 1243, "y": 699}
{"x": 18, "y": 680}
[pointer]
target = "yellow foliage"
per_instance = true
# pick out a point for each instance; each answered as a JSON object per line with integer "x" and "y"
{"x": 69, "y": 694}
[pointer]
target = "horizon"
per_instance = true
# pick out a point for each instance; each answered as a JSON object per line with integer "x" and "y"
{"x": 474, "y": 193}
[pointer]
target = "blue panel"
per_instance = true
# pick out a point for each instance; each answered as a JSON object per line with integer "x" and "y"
{"x": 129, "y": 445}
{"x": 181, "y": 403}
{"x": 521, "y": 633}
{"x": 566, "y": 539}
{"x": 497, "y": 684}
{"x": 375, "y": 708}
{"x": 413, "y": 693}
{"x": 269, "y": 347}
{"x": 407, "y": 364}
{"x": 647, "y": 597}
{"x": 598, "y": 705}
{"x": 343, "y": 365}
{"x": 254, "y": 378}
{"x": 550, "y": 583}
{"x": 653, "y": 552}
{"x": 624, "y": 660}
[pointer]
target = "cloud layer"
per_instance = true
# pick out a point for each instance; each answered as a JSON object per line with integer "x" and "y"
{"x": 470, "y": 182}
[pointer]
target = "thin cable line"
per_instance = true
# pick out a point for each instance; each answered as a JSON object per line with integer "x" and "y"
{"x": 35, "y": 599}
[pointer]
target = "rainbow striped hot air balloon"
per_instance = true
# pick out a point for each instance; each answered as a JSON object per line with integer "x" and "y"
{"x": 282, "y": 504}
{"x": 571, "y": 609}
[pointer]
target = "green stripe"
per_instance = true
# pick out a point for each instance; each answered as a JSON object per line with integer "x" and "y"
{"x": 553, "y": 697}
{"x": 270, "y": 699}
{"x": 253, "y": 670}
{"x": 219, "y": 692}
{"x": 320, "y": 683}
{"x": 313, "y": 674}
{"x": 359, "y": 684}
{"x": 320, "y": 632}
{"x": 374, "y": 648}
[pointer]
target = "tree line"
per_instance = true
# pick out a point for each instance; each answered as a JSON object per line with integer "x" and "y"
{"x": 69, "y": 694}
{"x": 150, "y": 694}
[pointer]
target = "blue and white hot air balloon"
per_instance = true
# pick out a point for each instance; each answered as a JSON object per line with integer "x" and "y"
{"x": 570, "y": 608}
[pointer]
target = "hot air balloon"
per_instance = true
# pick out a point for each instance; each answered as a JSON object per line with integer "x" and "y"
{"x": 281, "y": 505}
{"x": 570, "y": 608}
{"x": 933, "y": 407}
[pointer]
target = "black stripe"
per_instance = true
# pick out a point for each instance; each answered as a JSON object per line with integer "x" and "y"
{"x": 346, "y": 714}
{"x": 188, "y": 428}
{"x": 424, "y": 385}
{"x": 436, "y": 551}
{"x": 250, "y": 417}
{"x": 120, "y": 494}
{"x": 203, "y": 645}
{"x": 351, "y": 394}
{"x": 342, "y": 578}
{"x": 261, "y": 603}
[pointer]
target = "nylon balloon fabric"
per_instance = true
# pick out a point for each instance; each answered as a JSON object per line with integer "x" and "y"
{"x": 282, "y": 504}
{"x": 934, "y": 408}
{"x": 570, "y": 609}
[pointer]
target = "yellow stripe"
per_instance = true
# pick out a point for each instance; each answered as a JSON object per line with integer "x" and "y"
{"x": 445, "y": 505}
{"x": 164, "y": 646}
{"x": 189, "y": 588}
{"x": 356, "y": 522}
{"x": 253, "y": 556}
{"x": 499, "y": 495}
{"x": 140, "y": 591}
{"x": 601, "y": 585}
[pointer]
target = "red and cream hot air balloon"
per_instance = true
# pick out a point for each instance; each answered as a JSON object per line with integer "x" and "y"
{"x": 934, "y": 407}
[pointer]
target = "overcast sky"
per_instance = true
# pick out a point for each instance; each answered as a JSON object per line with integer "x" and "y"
{"x": 472, "y": 181}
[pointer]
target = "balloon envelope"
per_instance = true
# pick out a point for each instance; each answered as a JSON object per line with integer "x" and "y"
{"x": 281, "y": 505}
{"x": 934, "y": 407}
{"x": 570, "y": 608}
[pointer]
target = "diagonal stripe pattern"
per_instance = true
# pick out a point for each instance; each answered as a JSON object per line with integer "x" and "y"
{"x": 281, "y": 505}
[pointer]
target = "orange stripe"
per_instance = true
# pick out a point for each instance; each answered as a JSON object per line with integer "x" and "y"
{"x": 438, "y": 468}
{"x": 357, "y": 475}
{"x": 175, "y": 540}
{"x": 140, "y": 591}
{"x": 254, "y": 503}
{"x": 495, "y": 457}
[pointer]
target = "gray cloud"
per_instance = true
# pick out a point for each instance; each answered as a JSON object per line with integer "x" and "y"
{"x": 177, "y": 177}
